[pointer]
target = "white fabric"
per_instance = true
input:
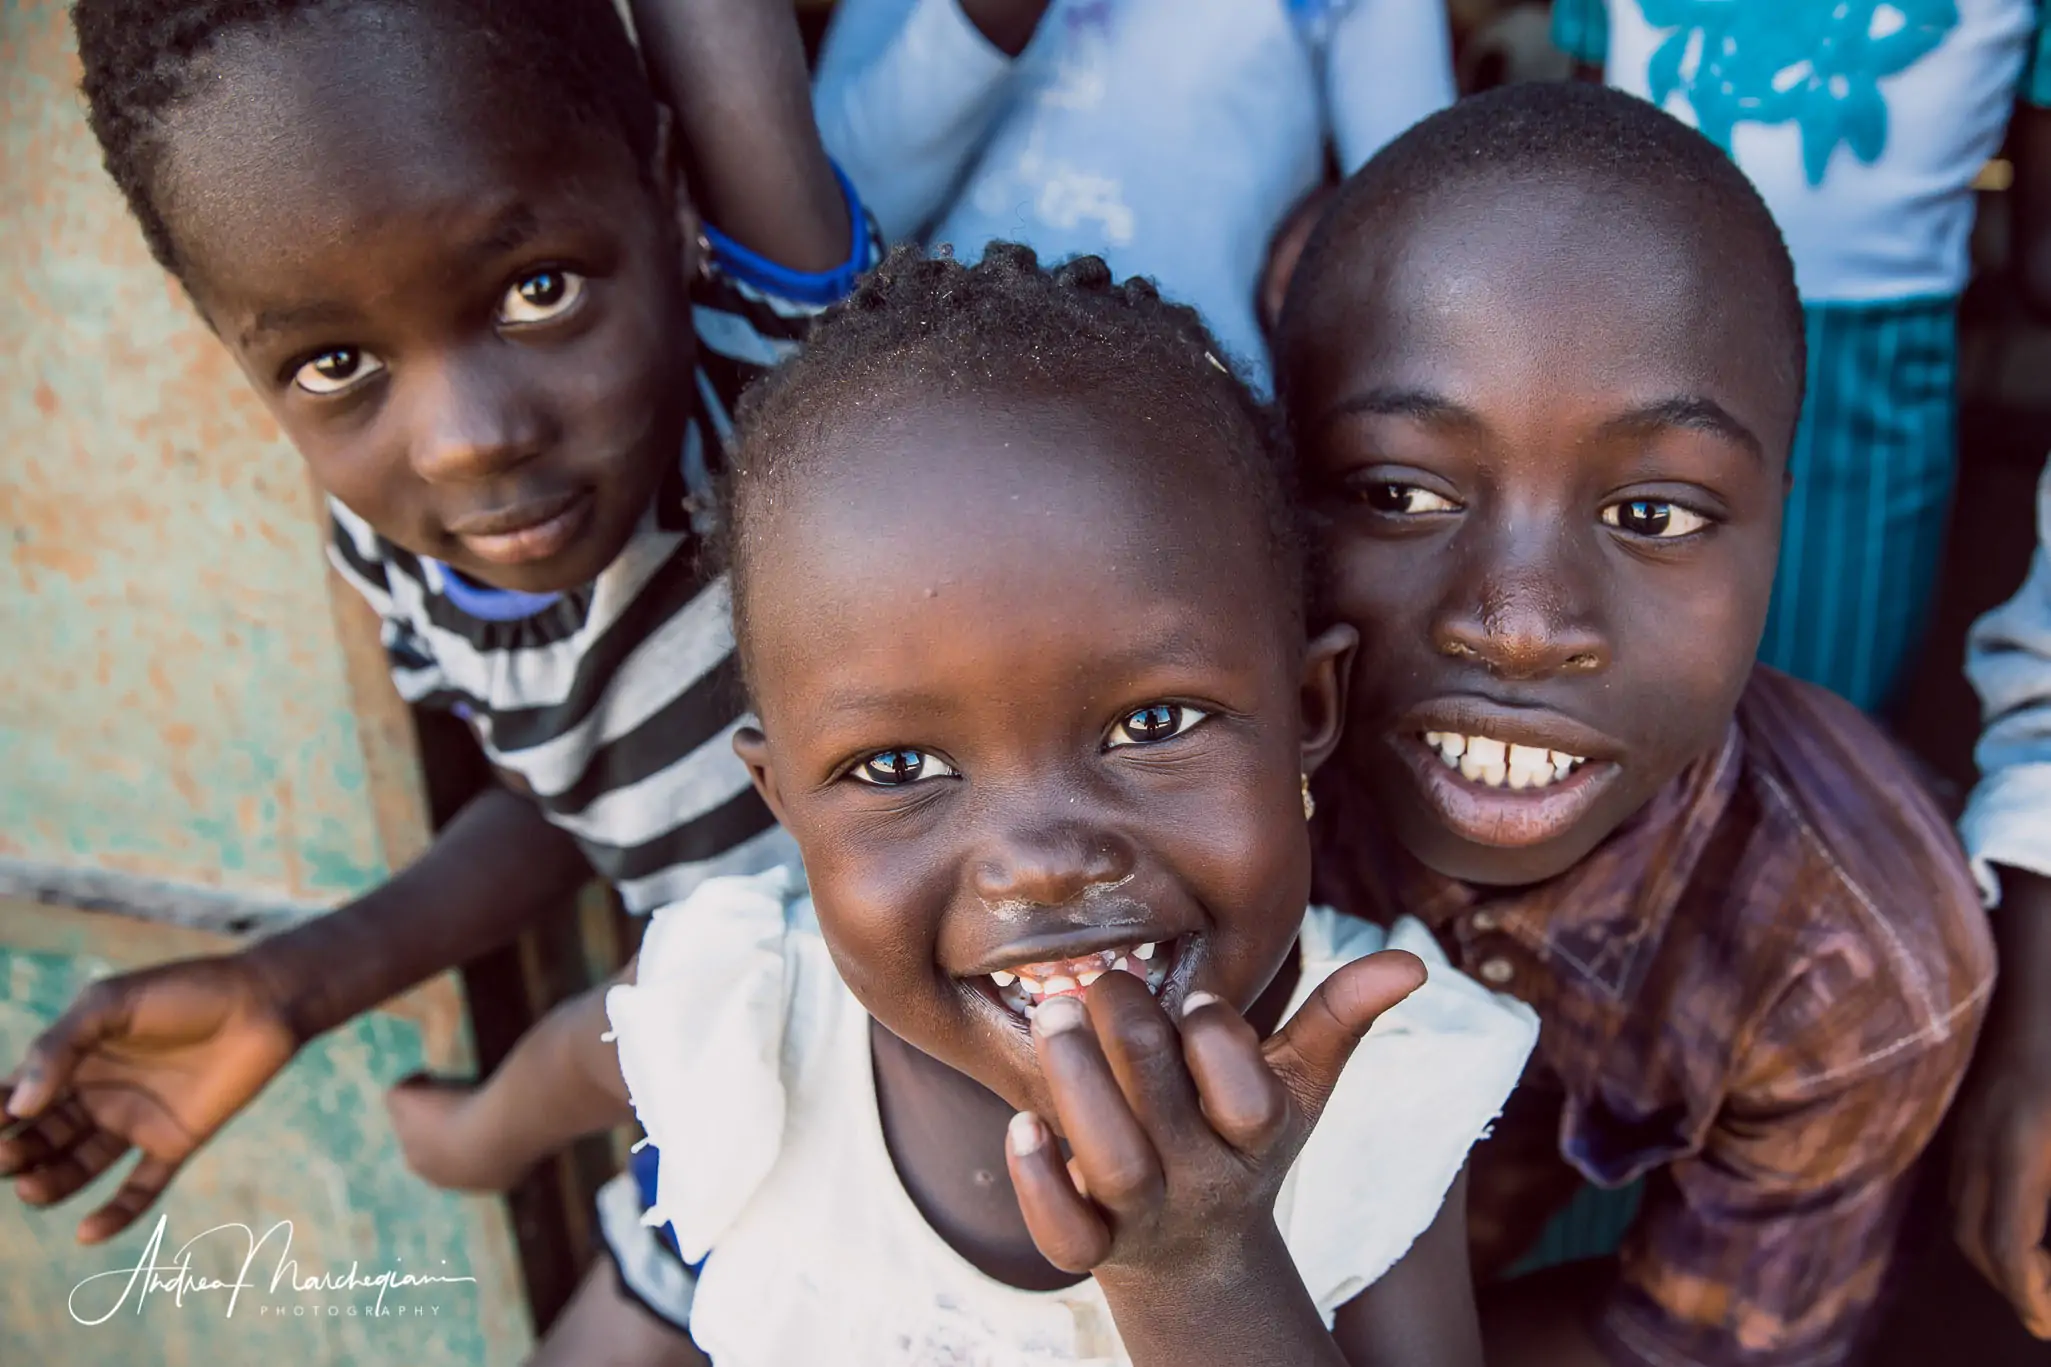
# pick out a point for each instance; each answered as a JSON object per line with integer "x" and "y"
{"x": 749, "y": 1064}
{"x": 1895, "y": 228}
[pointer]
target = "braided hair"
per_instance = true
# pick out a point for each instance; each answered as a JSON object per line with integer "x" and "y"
{"x": 919, "y": 326}
{"x": 549, "y": 59}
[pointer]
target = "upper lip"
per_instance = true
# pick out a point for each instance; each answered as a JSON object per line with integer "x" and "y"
{"x": 514, "y": 517}
{"x": 1537, "y": 727}
{"x": 1069, "y": 942}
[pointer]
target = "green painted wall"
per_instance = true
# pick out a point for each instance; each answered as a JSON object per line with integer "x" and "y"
{"x": 174, "y": 706}
{"x": 315, "y": 1149}
{"x": 176, "y": 722}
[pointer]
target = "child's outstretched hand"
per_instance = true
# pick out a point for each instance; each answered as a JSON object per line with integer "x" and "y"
{"x": 156, "y": 1061}
{"x": 1181, "y": 1136}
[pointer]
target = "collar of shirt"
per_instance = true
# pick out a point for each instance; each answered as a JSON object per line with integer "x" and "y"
{"x": 1573, "y": 946}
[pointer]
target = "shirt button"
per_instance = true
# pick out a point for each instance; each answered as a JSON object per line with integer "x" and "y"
{"x": 1484, "y": 922}
{"x": 1497, "y": 971}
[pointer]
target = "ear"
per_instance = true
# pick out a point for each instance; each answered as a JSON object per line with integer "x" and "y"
{"x": 753, "y": 748}
{"x": 673, "y": 187}
{"x": 1327, "y": 682}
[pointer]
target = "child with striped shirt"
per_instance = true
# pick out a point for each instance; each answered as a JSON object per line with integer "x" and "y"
{"x": 452, "y": 247}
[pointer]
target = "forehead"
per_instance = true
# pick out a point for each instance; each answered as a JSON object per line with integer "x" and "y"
{"x": 1547, "y": 293}
{"x": 338, "y": 127}
{"x": 1008, "y": 538}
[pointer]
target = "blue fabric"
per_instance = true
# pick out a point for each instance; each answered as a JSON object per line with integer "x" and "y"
{"x": 1170, "y": 137}
{"x": 1873, "y": 465}
{"x": 805, "y": 287}
{"x": 2008, "y": 658}
{"x": 645, "y": 1162}
{"x": 489, "y": 604}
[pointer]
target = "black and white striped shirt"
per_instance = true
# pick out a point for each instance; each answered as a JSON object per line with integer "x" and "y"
{"x": 613, "y": 706}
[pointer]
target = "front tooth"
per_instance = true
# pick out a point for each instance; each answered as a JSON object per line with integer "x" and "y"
{"x": 1452, "y": 744}
{"x": 1003, "y": 979}
{"x": 1529, "y": 768}
{"x": 1487, "y": 751}
{"x": 1058, "y": 984}
{"x": 1145, "y": 951}
{"x": 1031, "y": 985}
{"x": 1085, "y": 979}
{"x": 1472, "y": 768}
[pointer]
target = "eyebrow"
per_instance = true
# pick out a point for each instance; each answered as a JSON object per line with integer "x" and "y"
{"x": 1420, "y": 405}
{"x": 1691, "y": 412}
{"x": 319, "y": 313}
{"x": 509, "y": 229}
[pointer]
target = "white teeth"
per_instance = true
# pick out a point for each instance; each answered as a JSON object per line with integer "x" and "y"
{"x": 1085, "y": 979}
{"x": 1058, "y": 984}
{"x": 1033, "y": 986}
{"x": 1003, "y": 979}
{"x": 1497, "y": 763}
{"x": 1145, "y": 951}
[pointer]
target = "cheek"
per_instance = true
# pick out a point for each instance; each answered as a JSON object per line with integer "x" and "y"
{"x": 880, "y": 907}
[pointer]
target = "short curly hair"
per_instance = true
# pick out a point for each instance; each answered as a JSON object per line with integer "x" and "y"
{"x": 1560, "y": 131}
{"x": 571, "y": 58}
{"x": 921, "y": 325}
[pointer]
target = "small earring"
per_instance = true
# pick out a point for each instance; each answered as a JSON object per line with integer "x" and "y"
{"x": 1309, "y": 802}
{"x": 704, "y": 256}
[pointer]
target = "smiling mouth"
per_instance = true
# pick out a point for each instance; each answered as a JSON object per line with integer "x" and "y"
{"x": 1491, "y": 790}
{"x": 1496, "y": 763}
{"x": 1021, "y": 988}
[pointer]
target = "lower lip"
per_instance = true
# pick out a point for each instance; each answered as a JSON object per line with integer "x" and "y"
{"x": 543, "y": 540}
{"x": 1508, "y": 818}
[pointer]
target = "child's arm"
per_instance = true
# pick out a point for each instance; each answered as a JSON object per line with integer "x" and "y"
{"x": 1421, "y": 1312}
{"x": 2001, "y": 1160}
{"x": 561, "y": 1082}
{"x": 734, "y": 72}
{"x": 160, "y": 1059}
{"x": 907, "y": 91}
{"x": 1181, "y": 1139}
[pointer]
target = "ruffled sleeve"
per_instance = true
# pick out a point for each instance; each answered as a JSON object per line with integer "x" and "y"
{"x": 700, "y": 1035}
{"x": 1422, "y": 1088}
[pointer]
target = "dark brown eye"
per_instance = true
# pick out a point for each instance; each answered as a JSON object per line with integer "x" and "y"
{"x": 1653, "y": 517}
{"x": 335, "y": 369}
{"x": 1400, "y": 499}
{"x": 896, "y": 768}
{"x": 541, "y": 295}
{"x": 1154, "y": 723}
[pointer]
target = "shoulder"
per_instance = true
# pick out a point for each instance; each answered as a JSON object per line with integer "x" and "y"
{"x": 1423, "y": 1086}
{"x": 1873, "y": 908}
{"x": 702, "y": 1031}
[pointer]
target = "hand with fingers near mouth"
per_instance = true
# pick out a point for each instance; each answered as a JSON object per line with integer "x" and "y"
{"x": 1181, "y": 1133}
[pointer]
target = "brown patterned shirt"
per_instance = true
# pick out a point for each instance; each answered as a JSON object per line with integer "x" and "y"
{"x": 1760, "y": 993}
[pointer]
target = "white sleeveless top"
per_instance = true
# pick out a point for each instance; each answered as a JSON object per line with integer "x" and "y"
{"x": 748, "y": 1060}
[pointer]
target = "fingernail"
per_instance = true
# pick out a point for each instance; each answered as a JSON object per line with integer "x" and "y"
{"x": 1057, "y": 1014}
{"x": 1025, "y": 1133}
{"x": 19, "y": 1103}
{"x": 1197, "y": 1001}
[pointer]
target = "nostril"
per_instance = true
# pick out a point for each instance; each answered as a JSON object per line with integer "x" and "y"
{"x": 1584, "y": 660}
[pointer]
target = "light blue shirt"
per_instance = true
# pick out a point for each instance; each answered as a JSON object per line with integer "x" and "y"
{"x": 1169, "y": 137}
{"x": 2008, "y": 658}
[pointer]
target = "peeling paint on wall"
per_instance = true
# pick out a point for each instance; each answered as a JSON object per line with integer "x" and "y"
{"x": 175, "y": 705}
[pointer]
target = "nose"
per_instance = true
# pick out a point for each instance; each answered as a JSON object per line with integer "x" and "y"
{"x": 1050, "y": 865}
{"x": 473, "y": 420}
{"x": 1524, "y": 613}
